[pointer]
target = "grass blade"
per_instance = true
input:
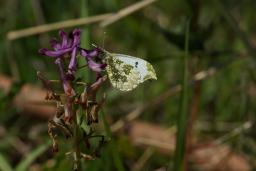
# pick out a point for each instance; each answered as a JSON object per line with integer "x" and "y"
{"x": 4, "y": 164}
{"x": 24, "y": 164}
{"x": 183, "y": 112}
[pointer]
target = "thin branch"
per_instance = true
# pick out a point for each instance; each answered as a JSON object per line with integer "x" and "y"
{"x": 143, "y": 159}
{"x": 245, "y": 126}
{"x": 109, "y": 17}
{"x": 126, "y": 11}
{"x": 16, "y": 34}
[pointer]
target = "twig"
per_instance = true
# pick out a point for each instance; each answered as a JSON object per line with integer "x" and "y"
{"x": 155, "y": 143}
{"x": 12, "y": 35}
{"x": 126, "y": 11}
{"x": 235, "y": 132}
{"x": 109, "y": 17}
{"x": 143, "y": 159}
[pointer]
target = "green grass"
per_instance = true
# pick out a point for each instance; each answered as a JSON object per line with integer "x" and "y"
{"x": 179, "y": 163}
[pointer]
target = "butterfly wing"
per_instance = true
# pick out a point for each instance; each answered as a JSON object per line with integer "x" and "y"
{"x": 126, "y": 72}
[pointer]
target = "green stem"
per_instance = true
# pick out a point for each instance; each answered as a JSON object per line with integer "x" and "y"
{"x": 84, "y": 75}
{"x": 77, "y": 152}
{"x": 183, "y": 112}
{"x": 85, "y": 39}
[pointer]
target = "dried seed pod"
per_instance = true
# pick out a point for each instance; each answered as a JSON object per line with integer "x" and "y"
{"x": 67, "y": 101}
{"x": 53, "y": 136}
{"x": 87, "y": 157}
{"x": 51, "y": 95}
{"x": 59, "y": 110}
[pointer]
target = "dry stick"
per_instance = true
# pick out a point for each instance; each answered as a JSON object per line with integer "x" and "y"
{"x": 143, "y": 159}
{"x": 154, "y": 143}
{"x": 109, "y": 17}
{"x": 245, "y": 126}
{"x": 12, "y": 35}
{"x": 126, "y": 11}
{"x": 136, "y": 113}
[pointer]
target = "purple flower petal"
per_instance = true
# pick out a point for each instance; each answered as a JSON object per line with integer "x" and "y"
{"x": 76, "y": 32}
{"x": 89, "y": 53}
{"x": 55, "y": 44}
{"x": 95, "y": 66}
{"x": 57, "y": 53}
{"x": 64, "y": 37}
{"x": 76, "y": 37}
{"x": 61, "y": 69}
{"x": 66, "y": 84}
{"x": 73, "y": 63}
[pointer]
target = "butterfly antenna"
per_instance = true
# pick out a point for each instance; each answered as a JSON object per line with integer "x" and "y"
{"x": 103, "y": 40}
{"x": 96, "y": 46}
{"x": 103, "y": 43}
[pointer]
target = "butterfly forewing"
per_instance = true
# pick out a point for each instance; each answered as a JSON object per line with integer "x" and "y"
{"x": 126, "y": 72}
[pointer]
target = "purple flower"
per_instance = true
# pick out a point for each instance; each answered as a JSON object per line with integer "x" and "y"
{"x": 89, "y": 56}
{"x": 67, "y": 47}
{"x": 67, "y": 44}
{"x": 65, "y": 81}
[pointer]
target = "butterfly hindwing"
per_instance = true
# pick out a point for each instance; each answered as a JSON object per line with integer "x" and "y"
{"x": 126, "y": 72}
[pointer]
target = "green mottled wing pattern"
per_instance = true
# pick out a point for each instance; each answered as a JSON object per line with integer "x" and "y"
{"x": 127, "y": 72}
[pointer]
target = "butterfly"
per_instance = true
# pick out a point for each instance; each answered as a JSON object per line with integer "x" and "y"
{"x": 127, "y": 72}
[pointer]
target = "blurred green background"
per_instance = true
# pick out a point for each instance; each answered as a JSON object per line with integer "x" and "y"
{"x": 220, "y": 106}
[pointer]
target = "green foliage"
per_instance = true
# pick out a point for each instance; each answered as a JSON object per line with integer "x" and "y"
{"x": 26, "y": 162}
{"x": 4, "y": 164}
{"x": 179, "y": 161}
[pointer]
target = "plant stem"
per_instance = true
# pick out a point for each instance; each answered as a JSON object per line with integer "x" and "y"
{"x": 183, "y": 112}
{"x": 77, "y": 152}
{"x": 85, "y": 39}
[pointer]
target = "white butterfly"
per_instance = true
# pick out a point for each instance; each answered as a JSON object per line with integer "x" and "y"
{"x": 127, "y": 72}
